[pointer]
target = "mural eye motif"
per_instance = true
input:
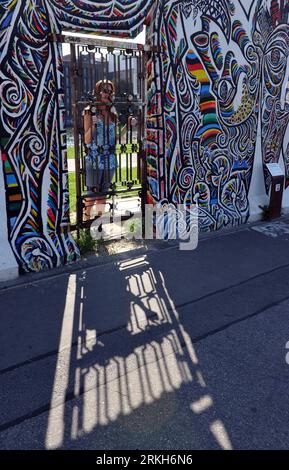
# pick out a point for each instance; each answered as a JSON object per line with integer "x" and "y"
{"x": 226, "y": 90}
{"x": 276, "y": 58}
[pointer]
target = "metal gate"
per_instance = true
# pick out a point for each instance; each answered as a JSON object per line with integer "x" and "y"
{"x": 124, "y": 65}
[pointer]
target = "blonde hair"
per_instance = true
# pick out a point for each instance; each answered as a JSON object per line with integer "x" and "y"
{"x": 100, "y": 84}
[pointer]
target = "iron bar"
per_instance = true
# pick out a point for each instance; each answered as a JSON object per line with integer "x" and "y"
{"x": 79, "y": 212}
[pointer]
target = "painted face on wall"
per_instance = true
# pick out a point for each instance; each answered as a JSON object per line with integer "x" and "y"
{"x": 229, "y": 69}
{"x": 213, "y": 83}
{"x": 273, "y": 26}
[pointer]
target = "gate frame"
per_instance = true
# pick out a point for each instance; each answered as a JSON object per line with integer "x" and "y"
{"x": 146, "y": 50}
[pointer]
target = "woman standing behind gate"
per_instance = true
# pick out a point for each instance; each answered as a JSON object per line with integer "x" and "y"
{"x": 99, "y": 120}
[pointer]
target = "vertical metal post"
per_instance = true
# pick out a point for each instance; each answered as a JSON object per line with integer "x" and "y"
{"x": 143, "y": 145}
{"x": 79, "y": 208}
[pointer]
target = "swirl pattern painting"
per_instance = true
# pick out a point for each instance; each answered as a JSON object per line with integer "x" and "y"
{"x": 223, "y": 62}
{"x": 223, "y": 71}
{"x": 33, "y": 141}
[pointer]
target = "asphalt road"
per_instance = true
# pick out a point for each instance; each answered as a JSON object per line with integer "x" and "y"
{"x": 162, "y": 349}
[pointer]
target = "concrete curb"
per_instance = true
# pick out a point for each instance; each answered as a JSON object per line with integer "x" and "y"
{"x": 92, "y": 261}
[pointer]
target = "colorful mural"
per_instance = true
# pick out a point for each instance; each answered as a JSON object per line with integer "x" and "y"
{"x": 205, "y": 100}
{"x": 273, "y": 24}
{"x": 33, "y": 141}
{"x": 121, "y": 18}
{"x": 223, "y": 68}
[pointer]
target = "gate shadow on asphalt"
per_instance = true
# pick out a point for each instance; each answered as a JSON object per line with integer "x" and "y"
{"x": 134, "y": 380}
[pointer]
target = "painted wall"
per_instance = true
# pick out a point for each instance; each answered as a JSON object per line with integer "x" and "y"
{"x": 218, "y": 110}
{"x": 33, "y": 140}
{"x": 217, "y": 104}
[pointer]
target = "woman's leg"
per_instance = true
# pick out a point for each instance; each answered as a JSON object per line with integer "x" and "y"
{"x": 100, "y": 201}
{"x": 90, "y": 183}
{"x": 89, "y": 203}
{"x": 100, "y": 205}
{"x": 89, "y": 172}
